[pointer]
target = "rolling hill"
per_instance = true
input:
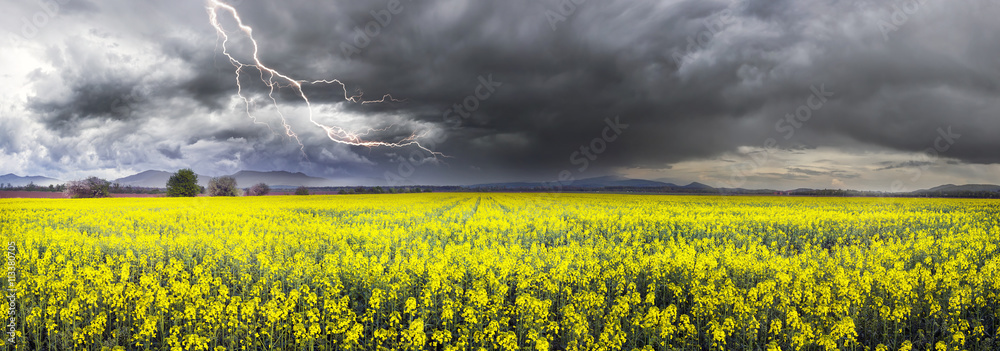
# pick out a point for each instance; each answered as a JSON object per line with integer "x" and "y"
{"x": 153, "y": 179}
{"x": 16, "y": 180}
{"x": 158, "y": 179}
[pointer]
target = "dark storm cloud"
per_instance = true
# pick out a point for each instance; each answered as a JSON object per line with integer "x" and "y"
{"x": 173, "y": 153}
{"x": 208, "y": 89}
{"x": 765, "y": 176}
{"x": 907, "y": 164}
{"x": 826, "y": 172}
{"x": 692, "y": 79}
{"x": 89, "y": 101}
{"x": 78, "y": 6}
{"x": 760, "y": 63}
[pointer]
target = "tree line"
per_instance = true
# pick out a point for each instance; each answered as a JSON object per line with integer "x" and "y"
{"x": 33, "y": 187}
{"x": 184, "y": 183}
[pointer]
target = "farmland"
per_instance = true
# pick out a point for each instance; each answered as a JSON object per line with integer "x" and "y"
{"x": 458, "y": 271}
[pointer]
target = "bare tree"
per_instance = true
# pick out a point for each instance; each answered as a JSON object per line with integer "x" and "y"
{"x": 224, "y": 186}
{"x": 92, "y": 187}
{"x": 259, "y": 190}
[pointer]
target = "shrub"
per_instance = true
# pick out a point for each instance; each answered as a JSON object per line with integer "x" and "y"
{"x": 302, "y": 191}
{"x": 223, "y": 186}
{"x": 92, "y": 187}
{"x": 259, "y": 190}
{"x": 184, "y": 183}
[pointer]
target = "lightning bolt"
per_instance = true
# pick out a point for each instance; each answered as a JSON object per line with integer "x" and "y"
{"x": 276, "y": 80}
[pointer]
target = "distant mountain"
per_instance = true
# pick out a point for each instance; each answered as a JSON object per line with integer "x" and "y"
{"x": 279, "y": 178}
{"x": 154, "y": 179}
{"x": 593, "y": 183}
{"x": 16, "y": 180}
{"x": 697, "y": 185}
{"x": 951, "y": 188}
{"x": 245, "y": 179}
{"x": 511, "y": 185}
{"x": 282, "y": 179}
{"x": 616, "y": 181}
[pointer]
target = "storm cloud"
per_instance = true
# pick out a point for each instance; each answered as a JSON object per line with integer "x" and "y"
{"x": 841, "y": 92}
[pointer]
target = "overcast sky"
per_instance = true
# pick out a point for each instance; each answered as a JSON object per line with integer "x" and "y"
{"x": 778, "y": 94}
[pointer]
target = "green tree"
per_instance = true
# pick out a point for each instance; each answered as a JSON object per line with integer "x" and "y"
{"x": 184, "y": 183}
{"x": 302, "y": 191}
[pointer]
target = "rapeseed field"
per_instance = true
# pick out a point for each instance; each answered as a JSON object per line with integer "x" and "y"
{"x": 453, "y": 271}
